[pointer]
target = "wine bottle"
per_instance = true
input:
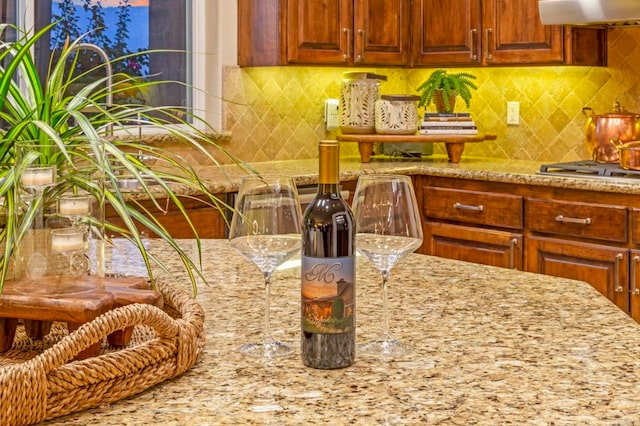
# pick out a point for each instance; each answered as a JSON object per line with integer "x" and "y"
{"x": 328, "y": 291}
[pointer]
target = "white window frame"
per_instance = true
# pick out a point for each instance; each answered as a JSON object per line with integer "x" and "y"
{"x": 213, "y": 45}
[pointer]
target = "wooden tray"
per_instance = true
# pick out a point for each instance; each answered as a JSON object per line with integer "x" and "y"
{"x": 453, "y": 143}
{"x": 82, "y": 301}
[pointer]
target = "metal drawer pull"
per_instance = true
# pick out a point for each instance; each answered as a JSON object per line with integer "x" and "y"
{"x": 586, "y": 221}
{"x": 488, "y": 46}
{"x": 512, "y": 253}
{"x": 346, "y": 57}
{"x": 361, "y": 57}
{"x": 616, "y": 273}
{"x": 472, "y": 55}
{"x": 460, "y": 206}
{"x": 634, "y": 288}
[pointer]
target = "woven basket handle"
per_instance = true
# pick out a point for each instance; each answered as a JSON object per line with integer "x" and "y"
{"x": 95, "y": 331}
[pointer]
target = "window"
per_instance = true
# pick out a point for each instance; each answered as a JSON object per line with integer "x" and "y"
{"x": 130, "y": 25}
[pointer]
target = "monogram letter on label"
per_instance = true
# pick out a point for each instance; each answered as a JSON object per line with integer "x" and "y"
{"x": 323, "y": 272}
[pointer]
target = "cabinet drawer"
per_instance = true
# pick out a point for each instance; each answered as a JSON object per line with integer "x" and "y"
{"x": 484, "y": 208}
{"x": 597, "y": 221}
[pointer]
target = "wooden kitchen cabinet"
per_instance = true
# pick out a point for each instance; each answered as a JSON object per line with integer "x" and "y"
{"x": 260, "y": 27}
{"x": 586, "y": 241}
{"x": 207, "y": 220}
{"x": 497, "y": 32}
{"x": 578, "y": 234}
{"x": 409, "y": 33}
{"x": 634, "y": 285}
{"x": 604, "y": 267}
{"x": 470, "y": 244}
{"x": 349, "y": 32}
{"x": 325, "y": 32}
{"x": 471, "y": 225}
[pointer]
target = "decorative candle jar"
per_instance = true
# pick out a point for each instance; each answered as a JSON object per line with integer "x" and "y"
{"x": 397, "y": 114}
{"x": 359, "y": 93}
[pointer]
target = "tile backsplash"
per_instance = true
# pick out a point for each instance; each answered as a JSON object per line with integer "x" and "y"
{"x": 276, "y": 113}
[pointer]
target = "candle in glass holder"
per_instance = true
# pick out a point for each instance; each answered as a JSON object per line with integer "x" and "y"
{"x": 67, "y": 240}
{"x": 38, "y": 176}
{"x": 74, "y": 205}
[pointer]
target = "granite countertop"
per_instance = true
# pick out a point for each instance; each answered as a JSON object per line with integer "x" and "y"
{"x": 491, "y": 346}
{"x": 226, "y": 178}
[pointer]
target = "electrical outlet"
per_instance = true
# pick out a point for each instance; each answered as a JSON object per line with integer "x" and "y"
{"x": 513, "y": 113}
{"x": 331, "y": 114}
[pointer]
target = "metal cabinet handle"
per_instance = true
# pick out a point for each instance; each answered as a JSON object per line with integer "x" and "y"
{"x": 512, "y": 252}
{"x": 585, "y": 221}
{"x": 488, "y": 33}
{"x": 634, "y": 264}
{"x": 616, "y": 273}
{"x": 460, "y": 206}
{"x": 360, "y": 57}
{"x": 472, "y": 34}
{"x": 347, "y": 55}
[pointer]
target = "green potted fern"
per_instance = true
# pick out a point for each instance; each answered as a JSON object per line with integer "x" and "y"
{"x": 442, "y": 88}
{"x": 43, "y": 113}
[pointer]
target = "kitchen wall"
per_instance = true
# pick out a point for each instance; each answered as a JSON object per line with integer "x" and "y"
{"x": 276, "y": 113}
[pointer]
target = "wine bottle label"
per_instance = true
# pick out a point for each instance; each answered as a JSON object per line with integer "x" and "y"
{"x": 328, "y": 297}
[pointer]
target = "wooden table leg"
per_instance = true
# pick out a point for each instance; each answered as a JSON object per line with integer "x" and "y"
{"x": 37, "y": 329}
{"x": 366, "y": 149}
{"x": 7, "y": 333}
{"x": 91, "y": 351}
{"x": 454, "y": 151}
{"x": 120, "y": 337}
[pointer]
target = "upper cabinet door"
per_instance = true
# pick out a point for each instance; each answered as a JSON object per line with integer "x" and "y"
{"x": 513, "y": 34}
{"x": 319, "y": 31}
{"x": 446, "y": 32}
{"x": 381, "y": 32}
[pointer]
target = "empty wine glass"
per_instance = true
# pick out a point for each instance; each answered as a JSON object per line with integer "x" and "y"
{"x": 388, "y": 228}
{"x": 266, "y": 229}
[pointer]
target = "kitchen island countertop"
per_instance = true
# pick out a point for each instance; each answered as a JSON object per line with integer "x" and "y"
{"x": 491, "y": 346}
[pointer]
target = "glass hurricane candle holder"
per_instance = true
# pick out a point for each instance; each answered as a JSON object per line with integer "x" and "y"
{"x": 72, "y": 244}
{"x": 75, "y": 207}
{"x": 38, "y": 177}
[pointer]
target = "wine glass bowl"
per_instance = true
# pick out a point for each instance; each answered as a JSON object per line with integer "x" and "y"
{"x": 388, "y": 228}
{"x": 266, "y": 230}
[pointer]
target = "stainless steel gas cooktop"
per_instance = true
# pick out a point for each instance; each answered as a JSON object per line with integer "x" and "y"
{"x": 590, "y": 169}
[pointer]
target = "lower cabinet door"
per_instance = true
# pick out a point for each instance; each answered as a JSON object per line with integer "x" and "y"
{"x": 477, "y": 245}
{"x": 634, "y": 285}
{"x": 605, "y": 268}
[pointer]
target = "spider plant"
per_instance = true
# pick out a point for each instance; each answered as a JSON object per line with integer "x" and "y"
{"x": 43, "y": 113}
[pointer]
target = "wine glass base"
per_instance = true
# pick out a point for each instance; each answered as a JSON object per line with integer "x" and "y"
{"x": 387, "y": 348}
{"x": 267, "y": 350}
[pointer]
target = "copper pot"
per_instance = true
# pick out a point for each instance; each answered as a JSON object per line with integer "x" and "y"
{"x": 605, "y": 132}
{"x": 630, "y": 155}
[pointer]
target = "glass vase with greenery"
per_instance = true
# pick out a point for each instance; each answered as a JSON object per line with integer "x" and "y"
{"x": 73, "y": 132}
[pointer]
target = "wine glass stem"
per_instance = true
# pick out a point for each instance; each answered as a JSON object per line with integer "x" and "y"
{"x": 266, "y": 334}
{"x": 385, "y": 306}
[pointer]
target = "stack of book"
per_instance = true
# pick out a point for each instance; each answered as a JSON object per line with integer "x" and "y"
{"x": 448, "y": 123}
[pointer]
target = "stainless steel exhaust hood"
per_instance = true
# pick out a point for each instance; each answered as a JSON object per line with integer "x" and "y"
{"x": 590, "y": 12}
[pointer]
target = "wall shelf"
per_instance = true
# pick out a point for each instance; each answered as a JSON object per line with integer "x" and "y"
{"x": 453, "y": 143}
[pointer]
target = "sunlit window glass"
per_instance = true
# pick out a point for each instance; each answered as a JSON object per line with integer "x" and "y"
{"x": 126, "y": 29}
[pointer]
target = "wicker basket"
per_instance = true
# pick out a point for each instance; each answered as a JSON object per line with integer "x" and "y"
{"x": 39, "y": 380}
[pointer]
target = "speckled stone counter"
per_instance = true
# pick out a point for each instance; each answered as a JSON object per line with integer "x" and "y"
{"x": 491, "y": 346}
{"x": 226, "y": 178}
